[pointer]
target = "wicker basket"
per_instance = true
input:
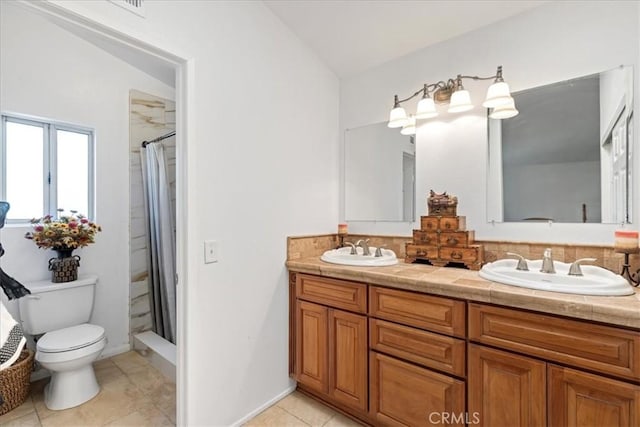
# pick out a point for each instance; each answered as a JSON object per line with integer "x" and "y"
{"x": 14, "y": 382}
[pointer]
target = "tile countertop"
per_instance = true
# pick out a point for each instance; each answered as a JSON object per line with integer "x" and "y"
{"x": 466, "y": 284}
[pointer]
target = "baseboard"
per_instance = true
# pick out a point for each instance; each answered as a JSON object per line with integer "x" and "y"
{"x": 263, "y": 407}
{"x": 112, "y": 351}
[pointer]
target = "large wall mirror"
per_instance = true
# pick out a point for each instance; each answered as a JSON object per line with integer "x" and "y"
{"x": 568, "y": 155}
{"x": 379, "y": 174}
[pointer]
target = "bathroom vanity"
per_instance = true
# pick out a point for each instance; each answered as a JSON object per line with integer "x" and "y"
{"x": 414, "y": 345}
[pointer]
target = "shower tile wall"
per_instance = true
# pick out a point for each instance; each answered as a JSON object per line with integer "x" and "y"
{"x": 150, "y": 117}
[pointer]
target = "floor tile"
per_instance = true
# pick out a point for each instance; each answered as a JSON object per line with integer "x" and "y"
{"x": 164, "y": 397}
{"x": 148, "y": 416}
{"x": 107, "y": 371}
{"x": 340, "y": 420}
{"x": 29, "y": 420}
{"x": 148, "y": 379}
{"x": 308, "y": 410}
{"x": 130, "y": 361}
{"x": 26, "y": 408}
{"x": 275, "y": 417}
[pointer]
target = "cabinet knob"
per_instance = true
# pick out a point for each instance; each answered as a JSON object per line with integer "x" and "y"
{"x": 456, "y": 255}
{"x": 452, "y": 241}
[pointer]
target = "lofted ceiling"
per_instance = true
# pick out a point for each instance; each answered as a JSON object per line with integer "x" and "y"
{"x": 351, "y": 36}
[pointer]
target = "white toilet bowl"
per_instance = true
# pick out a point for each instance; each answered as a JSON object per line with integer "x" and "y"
{"x": 68, "y": 354}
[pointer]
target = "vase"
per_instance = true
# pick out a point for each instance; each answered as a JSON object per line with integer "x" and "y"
{"x": 64, "y": 268}
{"x": 64, "y": 253}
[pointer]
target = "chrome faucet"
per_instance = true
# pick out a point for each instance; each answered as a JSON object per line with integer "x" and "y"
{"x": 575, "y": 270}
{"x": 547, "y": 262}
{"x": 364, "y": 244}
{"x": 353, "y": 248}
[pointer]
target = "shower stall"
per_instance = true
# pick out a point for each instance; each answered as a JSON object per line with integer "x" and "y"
{"x": 153, "y": 229}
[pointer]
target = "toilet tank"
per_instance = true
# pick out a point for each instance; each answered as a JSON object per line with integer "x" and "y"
{"x": 54, "y": 306}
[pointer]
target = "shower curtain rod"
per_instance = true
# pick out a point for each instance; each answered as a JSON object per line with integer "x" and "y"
{"x": 158, "y": 139}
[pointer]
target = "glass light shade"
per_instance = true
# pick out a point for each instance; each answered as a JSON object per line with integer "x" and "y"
{"x": 497, "y": 94}
{"x": 505, "y": 111}
{"x": 460, "y": 101}
{"x": 426, "y": 109}
{"x": 397, "y": 118}
{"x": 410, "y": 127}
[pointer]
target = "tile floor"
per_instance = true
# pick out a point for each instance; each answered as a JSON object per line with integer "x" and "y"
{"x": 133, "y": 393}
{"x": 299, "y": 410}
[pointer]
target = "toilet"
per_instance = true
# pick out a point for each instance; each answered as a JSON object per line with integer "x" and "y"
{"x": 69, "y": 345}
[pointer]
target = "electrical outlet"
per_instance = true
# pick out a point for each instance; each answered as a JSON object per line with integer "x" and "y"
{"x": 210, "y": 251}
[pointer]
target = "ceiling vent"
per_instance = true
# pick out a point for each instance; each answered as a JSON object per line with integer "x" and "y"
{"x": 133, "y": 6}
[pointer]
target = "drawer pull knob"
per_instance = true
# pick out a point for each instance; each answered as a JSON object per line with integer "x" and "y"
{"x": 421, "y": 253}
{"x": 456, "y": 255}
{"x": 452, "y": 241}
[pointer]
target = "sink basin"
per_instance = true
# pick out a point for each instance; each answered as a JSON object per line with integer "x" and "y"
{"x": 343, "y": 256}
{"x": 595, "y": 280}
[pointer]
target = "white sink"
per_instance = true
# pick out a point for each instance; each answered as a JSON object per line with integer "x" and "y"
{"x": 595, "y": 280}
{"x": 343, "y": 256}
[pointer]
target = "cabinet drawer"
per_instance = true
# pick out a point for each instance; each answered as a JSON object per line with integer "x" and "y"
{"x": 425, "y": 348}
{"x": 421, "y": 251}
{"x": 471, "y": 254}
{"x": 582, "y": 344}
{"x": 435, "y": 314}
{"x": 402, "y": 394}
{"x": 425, "y": 237}
{"x": 337, "y": 293}
{"x": 456, "y": 238}
{"x": 429, "y": 223}
{"x": 453, "y": 223}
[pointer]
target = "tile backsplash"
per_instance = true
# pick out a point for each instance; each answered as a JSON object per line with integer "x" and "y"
{"x": 309, "y": 246}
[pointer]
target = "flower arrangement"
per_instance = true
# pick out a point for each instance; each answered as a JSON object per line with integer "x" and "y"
{"x": 67, "y": 233}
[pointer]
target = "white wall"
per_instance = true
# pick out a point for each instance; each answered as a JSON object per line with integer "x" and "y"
{"x": 47, "y": 72}
{"x": 262, "y": 164}
{"x": 555, "y": 42}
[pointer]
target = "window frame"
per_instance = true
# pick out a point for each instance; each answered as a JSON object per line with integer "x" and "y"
{"x": 50, "y": 130}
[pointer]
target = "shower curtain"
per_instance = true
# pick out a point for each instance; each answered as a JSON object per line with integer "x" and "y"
{"x": 161, "y": 252}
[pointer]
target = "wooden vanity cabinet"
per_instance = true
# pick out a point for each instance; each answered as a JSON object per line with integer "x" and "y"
{"x": 392, "y": 357}
{"x": 331, "y": 343}
{"x": 507, "y": 388}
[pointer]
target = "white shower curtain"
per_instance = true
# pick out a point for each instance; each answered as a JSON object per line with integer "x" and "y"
{"x": 160, "y": 241}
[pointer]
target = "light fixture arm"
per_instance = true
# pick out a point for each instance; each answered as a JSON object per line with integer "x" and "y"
{"x": 498, "y": 100}
{"x": 450, "y": 84}
{"x": 497, "y": 76}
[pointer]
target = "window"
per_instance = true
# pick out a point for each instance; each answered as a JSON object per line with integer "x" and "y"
{"x": 46, "y": 166}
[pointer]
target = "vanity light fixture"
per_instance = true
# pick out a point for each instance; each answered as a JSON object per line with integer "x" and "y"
{"x": 498, "y": 99}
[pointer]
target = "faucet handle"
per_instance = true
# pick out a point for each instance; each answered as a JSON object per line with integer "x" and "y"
{"x": 574, "y": 268}
{"x": 522, "y": 262}
{"x": 379, "y": 250}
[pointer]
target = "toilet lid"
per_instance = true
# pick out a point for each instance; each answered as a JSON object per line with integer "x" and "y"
{"x": 70, "y": 338}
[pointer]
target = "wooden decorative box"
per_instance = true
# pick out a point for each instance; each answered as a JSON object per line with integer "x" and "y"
{"x": 443, "y": 237}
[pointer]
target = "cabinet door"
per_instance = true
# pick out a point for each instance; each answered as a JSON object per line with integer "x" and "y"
{"x": 403, "y": 394}
{"x": 311, "y": 345}
{"x": 580, "y": 399}
{"x": 506, "y": 389}
{"x": 348, "y": 359}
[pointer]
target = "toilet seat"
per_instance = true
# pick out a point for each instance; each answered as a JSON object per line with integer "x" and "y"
{"x": 72, "y": 338}
{"x": 71, "y": 343}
